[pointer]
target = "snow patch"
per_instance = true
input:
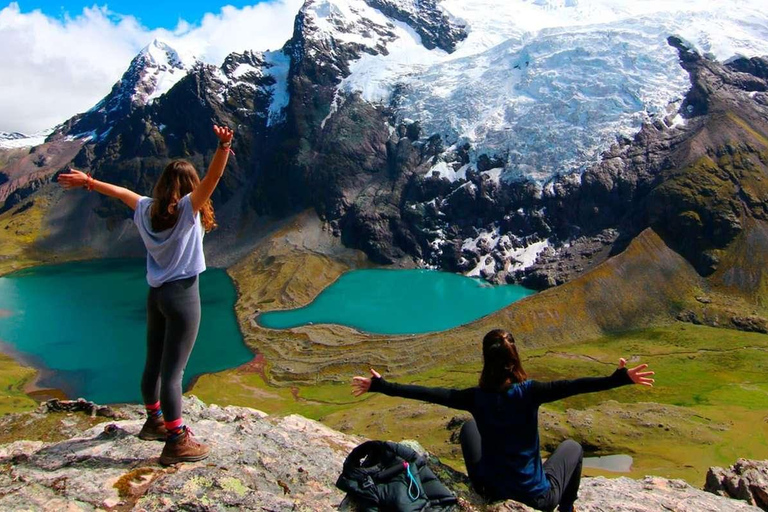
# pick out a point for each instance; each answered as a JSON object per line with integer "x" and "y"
{"x": 374, "y": 76}
{"x": 244, "y": 69}
{"x": 676, "y": 121}
{"x": 445, "y": 170}
{"x": 490, "y": 246}
{"x": 526, "y": 256}
{"x": 166, "y": 66}
{"x": 279, "y": 65}
{"x": 494, "y": 174}
{"x": 345, "y": 21}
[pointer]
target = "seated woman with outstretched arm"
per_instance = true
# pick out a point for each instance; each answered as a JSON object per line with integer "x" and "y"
{"x": 501, "y": 443}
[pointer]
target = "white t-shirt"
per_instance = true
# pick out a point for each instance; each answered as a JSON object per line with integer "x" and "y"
{"x": 174, "y": 253}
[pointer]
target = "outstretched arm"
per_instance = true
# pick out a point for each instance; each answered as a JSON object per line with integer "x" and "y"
{"x": 203, "y": 192}
{"x": 454, "y": 398}
{"x": 543, "y": 392}
{"x": 78, "y": 179}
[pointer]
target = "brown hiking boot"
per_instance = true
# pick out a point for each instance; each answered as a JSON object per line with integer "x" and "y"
{"x": 183, "y": 449}
{"x": 153, "y": 429}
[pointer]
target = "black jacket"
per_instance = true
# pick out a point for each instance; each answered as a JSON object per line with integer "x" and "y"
{"x": 376, "y": 477}
{"x": 510, "y": 464}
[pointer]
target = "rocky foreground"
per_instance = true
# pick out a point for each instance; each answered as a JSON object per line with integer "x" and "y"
{"x": 264, "y": 463}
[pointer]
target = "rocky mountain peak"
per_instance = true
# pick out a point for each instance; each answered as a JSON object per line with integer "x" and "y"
{"x": 22, "y": 140}
{"x": 159, "y": 53}
{"x": 151, "y": 74}
{"x": 239, "y": 64}
{"x": 331, "y": 24}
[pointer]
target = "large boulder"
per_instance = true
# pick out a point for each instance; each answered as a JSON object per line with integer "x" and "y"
{"x": 746, "y": 480}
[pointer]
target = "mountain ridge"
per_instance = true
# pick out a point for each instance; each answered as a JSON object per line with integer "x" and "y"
{"x": 388, "y": 185}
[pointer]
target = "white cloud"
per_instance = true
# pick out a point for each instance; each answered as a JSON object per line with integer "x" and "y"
{"x": 51, "y": 69}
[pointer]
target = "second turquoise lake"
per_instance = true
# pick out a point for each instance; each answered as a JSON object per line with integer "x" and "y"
{"x": 399, "y": 302}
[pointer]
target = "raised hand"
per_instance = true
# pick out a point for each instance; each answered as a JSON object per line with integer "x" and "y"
{"x": 73, "y": 179}
{"x": 637, "y": 374}
{"x": 224, "y": 134}
{"x": 361, "y": 385}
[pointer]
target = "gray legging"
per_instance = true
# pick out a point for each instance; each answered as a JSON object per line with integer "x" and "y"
{"x": 563, "y": 469}
{"x": 173, "y": 319}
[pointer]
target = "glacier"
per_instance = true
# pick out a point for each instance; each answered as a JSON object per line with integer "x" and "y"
{"x": 544, "y": 85}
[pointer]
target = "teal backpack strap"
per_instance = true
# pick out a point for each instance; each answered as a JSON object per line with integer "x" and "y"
{"x": 414, "y": 492}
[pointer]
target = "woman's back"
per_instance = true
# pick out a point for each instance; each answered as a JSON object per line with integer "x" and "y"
{"x": 174, "y": 253}
{"x": 508, "y": 424}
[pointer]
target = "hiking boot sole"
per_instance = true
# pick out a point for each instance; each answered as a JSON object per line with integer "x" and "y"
{"x": 167, "y": 461}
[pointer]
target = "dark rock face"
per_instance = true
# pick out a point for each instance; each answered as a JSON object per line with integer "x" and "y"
{"x": 695, "y": 184}
{"x": 426, "y": 18}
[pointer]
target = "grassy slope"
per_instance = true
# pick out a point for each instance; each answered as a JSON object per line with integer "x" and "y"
{"x": 710, "y": 390}
{"x": 13, "y": 378}
{"x": 19, "y": 229}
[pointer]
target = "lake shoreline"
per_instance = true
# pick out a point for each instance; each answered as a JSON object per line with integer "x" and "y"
{"x": 32, "y": 387}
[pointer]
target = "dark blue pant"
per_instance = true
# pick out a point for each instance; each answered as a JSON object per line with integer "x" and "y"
{"x": 173, "y": 319}
{"x": 563, "y": 469}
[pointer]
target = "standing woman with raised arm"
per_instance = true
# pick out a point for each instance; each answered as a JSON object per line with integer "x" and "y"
{"x": 171, "y": 224}
{"x": 501, "y": 443}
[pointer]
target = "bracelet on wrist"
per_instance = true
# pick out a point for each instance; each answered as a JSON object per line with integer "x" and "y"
{"x": 226, "y": 147}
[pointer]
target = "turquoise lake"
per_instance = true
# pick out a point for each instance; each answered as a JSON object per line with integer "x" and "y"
{"x": 84, "y": 325}
{"x": 399, "y": 302}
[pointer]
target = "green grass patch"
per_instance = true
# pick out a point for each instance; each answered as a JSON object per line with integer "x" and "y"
{"x": 13, "y": 378}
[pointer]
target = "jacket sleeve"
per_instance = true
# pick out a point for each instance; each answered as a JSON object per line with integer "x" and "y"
{"x": 543, "y": 392}
{"x": 463, "y": 399}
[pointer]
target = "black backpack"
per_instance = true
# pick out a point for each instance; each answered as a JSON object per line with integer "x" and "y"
{"x": 386, "y": 476}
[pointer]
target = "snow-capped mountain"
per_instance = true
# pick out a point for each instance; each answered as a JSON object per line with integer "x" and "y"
{"x": 151, "y": 74}
{"x": 522, "y": 140}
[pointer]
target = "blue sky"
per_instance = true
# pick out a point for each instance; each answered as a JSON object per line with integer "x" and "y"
{"x": 158, "y": 14}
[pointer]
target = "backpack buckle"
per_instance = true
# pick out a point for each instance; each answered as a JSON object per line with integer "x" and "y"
{"x": 368, "y": 483}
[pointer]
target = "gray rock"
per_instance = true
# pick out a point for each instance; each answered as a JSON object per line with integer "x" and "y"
{"x": 746, "y": 480}
{"x": 258, "y": 462}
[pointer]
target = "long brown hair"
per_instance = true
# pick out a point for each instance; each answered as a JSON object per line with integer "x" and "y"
{"x": 178, "y": 179}
{"x": 501, "y": 362}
